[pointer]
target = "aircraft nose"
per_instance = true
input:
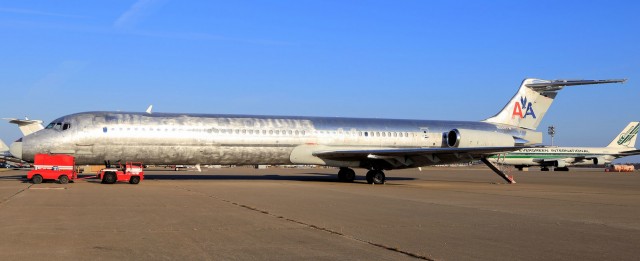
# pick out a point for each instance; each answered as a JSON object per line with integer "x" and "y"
{"x": 16, "y": 149}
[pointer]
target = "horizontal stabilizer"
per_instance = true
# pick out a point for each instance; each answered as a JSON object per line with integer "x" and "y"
{"x": 558, "y": 84}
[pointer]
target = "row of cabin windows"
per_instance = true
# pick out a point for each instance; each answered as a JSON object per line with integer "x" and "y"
{"x": 271, "y": 132}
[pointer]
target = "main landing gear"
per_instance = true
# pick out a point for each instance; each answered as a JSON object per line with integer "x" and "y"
{"x": 346, "y": 175}
{"x": 373, "y": 176}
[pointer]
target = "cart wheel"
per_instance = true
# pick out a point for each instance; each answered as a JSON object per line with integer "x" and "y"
{"x": 109, "y": 178}
{"x": 63, "y": 179}
{"x": 36, "y": 179}
{"x": 134, "y": 180}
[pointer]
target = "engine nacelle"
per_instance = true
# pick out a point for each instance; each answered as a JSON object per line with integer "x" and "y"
{"x": 599, "y": 160}
{"x": 463, "y": 138}
{"x": 560, "y": 164}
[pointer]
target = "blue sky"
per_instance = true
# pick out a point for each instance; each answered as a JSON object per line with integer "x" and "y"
{"x": 455, "y": 60}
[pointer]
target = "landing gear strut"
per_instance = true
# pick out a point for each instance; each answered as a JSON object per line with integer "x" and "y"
{"x": 375, "y": 177}
{"x": 346, "y": 175}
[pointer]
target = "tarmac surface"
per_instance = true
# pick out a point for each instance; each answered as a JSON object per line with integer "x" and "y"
{"x": 293, "y": 214}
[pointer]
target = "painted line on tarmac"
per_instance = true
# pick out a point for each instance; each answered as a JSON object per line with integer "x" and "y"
{"x": 12, "y": 196}
{"x": 324, "y": 229}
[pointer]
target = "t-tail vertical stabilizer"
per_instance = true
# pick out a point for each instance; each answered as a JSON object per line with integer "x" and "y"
{"x": 626, "y": 138}
{"x": 529, "y": 105}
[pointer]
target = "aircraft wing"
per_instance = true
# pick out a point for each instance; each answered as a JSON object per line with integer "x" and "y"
{"x": 357, "y": 154}
{"x": 564, "y": 160}
{"x": 547, "y": 160}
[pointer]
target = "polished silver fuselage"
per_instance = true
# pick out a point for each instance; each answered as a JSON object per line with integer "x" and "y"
{"x": 163, "y": 138}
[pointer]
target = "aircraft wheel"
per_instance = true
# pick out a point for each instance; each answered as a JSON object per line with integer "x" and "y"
{"x": 36, "y": 179}
{"x": 63, "y": 179}
{"x": 346, "y": 175}
{"x": 375, "y": 177}
{"x": 134, "y": 180}
{"x": 544, "y": 169}
{"x": 109, "y": 178}
{"x": 341, "y": 176}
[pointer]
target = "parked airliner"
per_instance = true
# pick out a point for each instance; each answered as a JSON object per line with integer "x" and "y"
{"x": 623, "y": 145}
{"x": 373, "y": 144}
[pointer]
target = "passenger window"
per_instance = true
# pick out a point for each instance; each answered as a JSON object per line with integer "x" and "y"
{"x": 366, "y": 134}
{"x": 103, "y": 129}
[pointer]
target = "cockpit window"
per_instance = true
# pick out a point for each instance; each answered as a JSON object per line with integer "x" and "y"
{"x": 66, "y": 126}
{"x": 50, "y": 126}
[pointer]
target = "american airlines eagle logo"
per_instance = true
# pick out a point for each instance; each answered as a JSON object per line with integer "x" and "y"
{"x": 523, "y": 106}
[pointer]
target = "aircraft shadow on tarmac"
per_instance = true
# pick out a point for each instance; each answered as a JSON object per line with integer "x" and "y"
{"x": 314, "y": 177}
{"x": 14, "y": 177}
{"x": 310, "y": 177}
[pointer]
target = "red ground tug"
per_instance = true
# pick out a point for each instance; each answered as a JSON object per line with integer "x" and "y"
{"x": 53, "y": 167}
{"x": 131, "y": 171}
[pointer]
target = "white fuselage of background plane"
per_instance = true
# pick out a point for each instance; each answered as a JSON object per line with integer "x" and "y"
{"x": 538, "y": 156}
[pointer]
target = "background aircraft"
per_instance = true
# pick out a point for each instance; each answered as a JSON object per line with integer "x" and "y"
{"x": 26, "y": 126}
{"x": 623, "y": 145}
{"x": 373, "y": 144}
{"x": 4, "y": 149}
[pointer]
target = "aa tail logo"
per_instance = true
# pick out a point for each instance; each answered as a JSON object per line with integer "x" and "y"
{"x": 525, "y": 106}
{"x": 627, "y": 136}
